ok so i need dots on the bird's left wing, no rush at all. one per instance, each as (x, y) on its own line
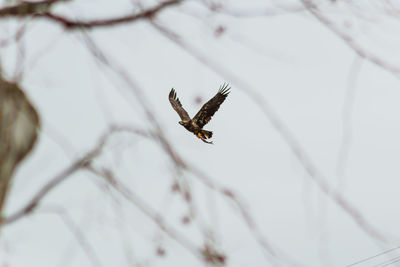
(208, 109)
(176, 104)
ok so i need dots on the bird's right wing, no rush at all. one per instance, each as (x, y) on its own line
(176, 104)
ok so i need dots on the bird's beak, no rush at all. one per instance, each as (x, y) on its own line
(181, 123)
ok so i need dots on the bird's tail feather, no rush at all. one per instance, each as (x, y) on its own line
(206, 134)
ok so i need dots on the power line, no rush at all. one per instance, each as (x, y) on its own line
(394, 260)
(371, 257)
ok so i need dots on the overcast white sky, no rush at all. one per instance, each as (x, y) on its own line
(295, 84)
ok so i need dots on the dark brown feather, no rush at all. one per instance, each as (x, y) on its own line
(209, 108)
(176, 104)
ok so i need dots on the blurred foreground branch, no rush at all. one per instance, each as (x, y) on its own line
(73, 24)
(23, 9)
(19, 123)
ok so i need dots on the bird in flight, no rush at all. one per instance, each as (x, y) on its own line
(202, 117)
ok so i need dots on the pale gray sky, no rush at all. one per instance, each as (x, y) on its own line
(286, 65)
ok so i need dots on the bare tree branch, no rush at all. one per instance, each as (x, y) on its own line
(23, 9)
(395, 70)
(74, 24)
(71, 169)
(16, 37)
(146, 209)
(76, 231)
(75, 166)
(271, 253)
(207, 253)
(252, 13)
(311, 169)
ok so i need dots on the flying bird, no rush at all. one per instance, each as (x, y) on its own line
(202, 117)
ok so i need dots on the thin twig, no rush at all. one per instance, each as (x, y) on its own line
(146, 209)
(349, 41)
(347, 112)
(76, 231)
(71, 169)
(44, 191)
(311, 169)
(178, 161)
(254, 12)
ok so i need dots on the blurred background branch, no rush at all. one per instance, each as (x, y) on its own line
(104, 93)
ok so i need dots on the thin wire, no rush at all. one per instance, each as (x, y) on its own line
(394, 260)
(371, 257)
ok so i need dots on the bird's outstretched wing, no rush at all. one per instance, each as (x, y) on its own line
(176, 104)
(208, 109)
